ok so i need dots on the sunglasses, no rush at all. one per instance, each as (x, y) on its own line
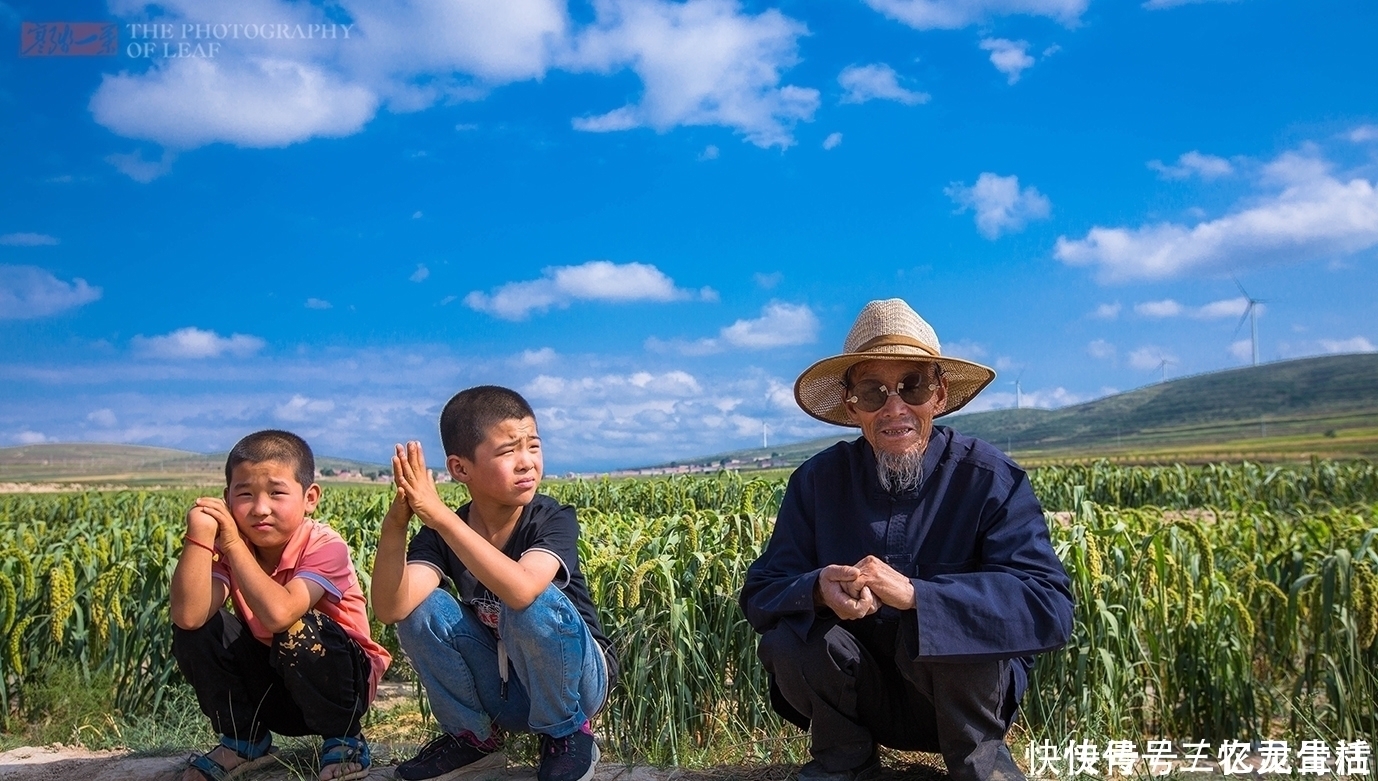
(913, 389)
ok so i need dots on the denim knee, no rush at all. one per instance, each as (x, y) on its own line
(435, 621)
(550, 615)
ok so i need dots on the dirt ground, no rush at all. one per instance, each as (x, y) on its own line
(61, 763)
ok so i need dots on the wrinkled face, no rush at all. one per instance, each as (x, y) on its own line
(267, 502)
(507, 465)
(896, 428)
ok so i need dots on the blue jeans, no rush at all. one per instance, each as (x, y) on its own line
(558, 675)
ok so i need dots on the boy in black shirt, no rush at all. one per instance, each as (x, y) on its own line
(523, 650)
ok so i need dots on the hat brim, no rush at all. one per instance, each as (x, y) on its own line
(818, 391)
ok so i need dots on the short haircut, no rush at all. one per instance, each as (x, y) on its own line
(465, 421)
(273, 445)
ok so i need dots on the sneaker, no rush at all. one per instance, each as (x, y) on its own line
(570, 758)
(452, 756)
(868, 770)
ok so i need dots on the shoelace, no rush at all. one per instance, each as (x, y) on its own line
(435, 745)
(558, 746)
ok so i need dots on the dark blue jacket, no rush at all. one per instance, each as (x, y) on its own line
(972, 538)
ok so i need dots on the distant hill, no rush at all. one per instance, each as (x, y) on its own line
(131, 464)
(1327, 407)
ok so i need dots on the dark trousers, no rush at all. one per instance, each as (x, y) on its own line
(313, 679)
(855, 687)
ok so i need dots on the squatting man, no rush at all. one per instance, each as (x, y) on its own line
(910, 578)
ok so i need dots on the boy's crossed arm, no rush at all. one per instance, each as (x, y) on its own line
(196, 595)
(516, 583)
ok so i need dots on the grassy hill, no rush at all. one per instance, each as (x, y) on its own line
(1290, 410)
(129, 465)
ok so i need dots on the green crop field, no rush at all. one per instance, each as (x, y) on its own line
(1231, 601)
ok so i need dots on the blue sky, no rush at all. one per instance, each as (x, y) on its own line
(649, 216)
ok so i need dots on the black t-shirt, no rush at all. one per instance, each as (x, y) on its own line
(544, 525)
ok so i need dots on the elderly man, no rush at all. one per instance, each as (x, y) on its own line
(910, 578)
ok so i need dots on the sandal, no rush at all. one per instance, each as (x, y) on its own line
(344, 751)
(255, 755)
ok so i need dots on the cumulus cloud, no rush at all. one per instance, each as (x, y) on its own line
(1303, 212)
(701, 62)
(27, 292)
(1009, 57)
(1044, 398)
(1193, 163)
(194, 343)
(541, 357)
(301, 408)
(1363, 133)
(999, 203)
(596, 280)
(1164, 308)
(27, 437)
(1101, 350)
(1355, 344)
(1242, 349)
(965, 348)
(420, 274)
(1107, 311)
(876, 82)
(709, 152)
(1151, 358)
(955, 14)
(833, 141)
(317, 303)
(1158, 5)
(780, 325)
(134, 166)
(103, 417)
(27, 240)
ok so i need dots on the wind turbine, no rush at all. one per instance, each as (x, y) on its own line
(1162, 369)
(1019, 391)
(1250, 314)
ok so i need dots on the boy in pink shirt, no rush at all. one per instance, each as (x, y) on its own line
(295, 657)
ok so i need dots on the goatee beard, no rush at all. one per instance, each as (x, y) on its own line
(900, 472)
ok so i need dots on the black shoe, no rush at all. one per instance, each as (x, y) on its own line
(813, 771)
(571, 758)
(452, 756)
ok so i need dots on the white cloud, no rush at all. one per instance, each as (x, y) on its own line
(1045, 398)
(31, 438)
(27, 292)
(596, 280)
(1150, 358)
(27, 240)
(317, 303)
(1158, 5)
(767, 281)
(1363, 133)
(1107, 311)
(1164, 308)
(1009, 57)
(1194, 163)
(1313, 216)
(965, 348)
(702, 62)
(779, 325)
(876, 82)
(955, 14)
(693, 348)
(1101, 350)
(999, 204)
(134, 166)
(833, 141)
(1225, 308)
(541, 357)
(192, 342)
(416, 215)
(104, 417)
(1242, 349)
(709, 152)
(301, 408)
(263, 101)
(1356, 344)
(420, 274)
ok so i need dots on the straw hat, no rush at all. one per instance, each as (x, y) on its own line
(889, 331)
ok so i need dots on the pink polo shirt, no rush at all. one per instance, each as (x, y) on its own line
(319, 554)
